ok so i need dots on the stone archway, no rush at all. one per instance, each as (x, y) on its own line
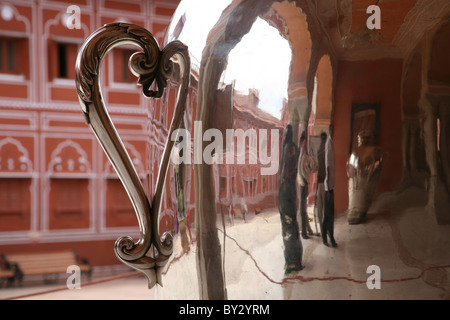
(320, 116)
(322, 104)
(297, 33)
(415, 168)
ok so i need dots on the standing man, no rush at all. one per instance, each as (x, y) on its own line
(306, 166)
(287, 204)
(330, 180)
(321, 173)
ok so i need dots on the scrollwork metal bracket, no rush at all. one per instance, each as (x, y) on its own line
(153, 67)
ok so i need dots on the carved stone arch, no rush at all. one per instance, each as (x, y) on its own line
(9, 13)
(14, 157)
(58, 21)
(67, 201)
(69, 157)
(297, 32)
(322, 100)
(415, 168)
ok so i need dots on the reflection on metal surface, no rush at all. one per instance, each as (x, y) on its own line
(249, 66)
(179, 172)
(262, 48)
(287, 196)
(363, 170)
(153, 66)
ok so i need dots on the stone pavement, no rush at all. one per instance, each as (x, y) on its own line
(399, 253)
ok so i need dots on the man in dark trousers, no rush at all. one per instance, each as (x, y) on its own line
(303, 175)
(321, 173)
(330, 180)
(287, 204)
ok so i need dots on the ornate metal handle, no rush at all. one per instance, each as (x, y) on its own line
(151, 66)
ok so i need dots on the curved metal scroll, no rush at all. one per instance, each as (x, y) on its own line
(152, 66)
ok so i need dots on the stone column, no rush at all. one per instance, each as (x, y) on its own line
(438, 195)
(233, 24)
(413, 150)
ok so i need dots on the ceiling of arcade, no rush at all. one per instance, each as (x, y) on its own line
(403, 23)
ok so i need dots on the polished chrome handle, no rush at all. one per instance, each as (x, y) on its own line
(153, 67)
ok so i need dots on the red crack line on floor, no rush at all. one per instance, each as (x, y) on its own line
(407, 258)
(300, 278)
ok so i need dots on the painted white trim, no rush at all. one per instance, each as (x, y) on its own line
(63, 83)
(19, 17)
(66, 39)
(56, 105)
(31, 117)
(114, 12)
(77, 119)
(8, 78)
(66, 235)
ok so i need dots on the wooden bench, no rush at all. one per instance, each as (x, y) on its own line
(7, 272)
(8, 275)
(45, 263)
